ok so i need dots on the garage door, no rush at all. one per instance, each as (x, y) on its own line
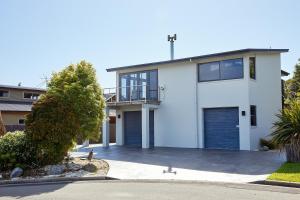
(133, 128)
(221, 128)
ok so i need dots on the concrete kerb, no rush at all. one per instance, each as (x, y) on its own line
(278, 183)
(53, 180)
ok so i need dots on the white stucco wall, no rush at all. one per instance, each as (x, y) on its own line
(175, 120)
(265, 93)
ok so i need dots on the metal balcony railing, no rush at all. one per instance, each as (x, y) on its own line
(132, 93)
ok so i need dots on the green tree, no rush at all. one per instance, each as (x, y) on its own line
(71, 108)
(286, 132)
(292, 86)
(2, 127)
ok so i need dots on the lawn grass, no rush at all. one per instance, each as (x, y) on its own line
(289, 172)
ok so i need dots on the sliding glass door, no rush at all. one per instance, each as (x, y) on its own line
(138, 86)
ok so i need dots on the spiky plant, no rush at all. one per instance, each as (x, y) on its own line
(286, 132)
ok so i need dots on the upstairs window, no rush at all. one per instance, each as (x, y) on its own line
(21, 121)
(221, 70)
(141, 85)
(3, 93)
(253, 115)
(30, 95)
(252, 67)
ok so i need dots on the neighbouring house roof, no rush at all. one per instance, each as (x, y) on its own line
(22, 88)
(18, 106)
(227, 53)
(284, 73)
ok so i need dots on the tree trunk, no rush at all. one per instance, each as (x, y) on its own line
(2, 127)
(292, 152)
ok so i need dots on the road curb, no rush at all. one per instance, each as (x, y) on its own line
(278, 183)
(53, 180)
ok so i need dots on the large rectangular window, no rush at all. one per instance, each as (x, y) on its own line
(252, 66)
(209, 71)
(221, 70)
(253, 115)
(139, 86)
(30, 95)
(3, 93)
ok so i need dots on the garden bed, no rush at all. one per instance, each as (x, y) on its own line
(76, 167)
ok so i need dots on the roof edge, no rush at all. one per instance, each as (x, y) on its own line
(248, 50)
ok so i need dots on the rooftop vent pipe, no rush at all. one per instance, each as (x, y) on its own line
(171, 39)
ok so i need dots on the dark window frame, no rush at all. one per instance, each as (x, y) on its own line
(23, 121)
(33, 95)
(253, 115)
(4, 91)
(220, 79)
(252, 76)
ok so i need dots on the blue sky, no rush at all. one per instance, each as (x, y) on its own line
(39, 37)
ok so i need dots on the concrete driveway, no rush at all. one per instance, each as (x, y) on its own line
(186, 164)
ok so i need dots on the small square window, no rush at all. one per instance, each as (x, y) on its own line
(252, 67)
(21, 121)
(253, 119)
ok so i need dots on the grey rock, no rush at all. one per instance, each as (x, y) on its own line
(90, 167)
(55, 169)
(264, 148)
(74, 167)
(16, 172)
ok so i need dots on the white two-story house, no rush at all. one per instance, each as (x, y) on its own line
(224, 100)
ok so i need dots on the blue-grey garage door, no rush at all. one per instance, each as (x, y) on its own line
(221, 128)
(133, 128)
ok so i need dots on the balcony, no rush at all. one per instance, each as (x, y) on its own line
(132, 95)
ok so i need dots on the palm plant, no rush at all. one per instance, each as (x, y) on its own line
(286, 132)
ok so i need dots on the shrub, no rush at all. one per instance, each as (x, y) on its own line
(286, 132)
(16, 149)
(72, 108)
(2, 127)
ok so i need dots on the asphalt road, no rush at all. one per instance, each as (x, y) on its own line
(147, 190)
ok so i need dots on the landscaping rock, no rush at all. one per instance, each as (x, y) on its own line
(265, 148)
(74, 167)
(5, 175)
(16, 172)
(55, 169)
(90, 167)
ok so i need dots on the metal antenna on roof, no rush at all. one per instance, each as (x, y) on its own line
(171, 39)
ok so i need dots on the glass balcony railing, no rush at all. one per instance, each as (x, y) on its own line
(132, 93)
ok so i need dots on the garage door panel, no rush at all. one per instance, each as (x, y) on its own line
(133, 128)
(220, 126)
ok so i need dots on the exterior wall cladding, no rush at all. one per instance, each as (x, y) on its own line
(179, 120)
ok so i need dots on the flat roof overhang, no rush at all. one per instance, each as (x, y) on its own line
(189, 59)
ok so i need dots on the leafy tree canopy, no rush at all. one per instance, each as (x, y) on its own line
(292, 86)
(71, 108)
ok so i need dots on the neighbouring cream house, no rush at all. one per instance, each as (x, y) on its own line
(16, 103)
